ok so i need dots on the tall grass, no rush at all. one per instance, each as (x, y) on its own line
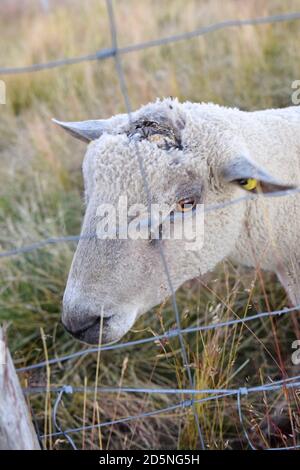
(40, 196)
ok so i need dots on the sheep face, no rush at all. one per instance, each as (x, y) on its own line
(186, 156)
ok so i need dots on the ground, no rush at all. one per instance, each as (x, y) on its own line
(41, 196)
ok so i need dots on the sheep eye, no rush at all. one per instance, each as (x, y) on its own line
(249, 183)
(186, 205)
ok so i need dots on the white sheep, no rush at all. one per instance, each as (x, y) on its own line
(199, 153)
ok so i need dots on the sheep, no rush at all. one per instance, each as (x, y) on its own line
(200, 153)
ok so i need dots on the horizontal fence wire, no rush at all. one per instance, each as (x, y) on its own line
(212, 394)
(290, 382)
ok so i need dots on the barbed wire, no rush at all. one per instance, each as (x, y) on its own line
(116, 52)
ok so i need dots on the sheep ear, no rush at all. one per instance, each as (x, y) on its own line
(243, 168)
(83, 130)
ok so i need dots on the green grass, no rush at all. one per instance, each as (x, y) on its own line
(41, 196)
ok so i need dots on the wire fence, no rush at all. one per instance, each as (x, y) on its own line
(191, 393)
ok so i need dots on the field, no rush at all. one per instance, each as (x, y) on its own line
(41, 196)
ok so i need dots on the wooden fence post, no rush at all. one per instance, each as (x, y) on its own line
(16, 429)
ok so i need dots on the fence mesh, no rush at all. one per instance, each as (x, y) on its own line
(190, 401)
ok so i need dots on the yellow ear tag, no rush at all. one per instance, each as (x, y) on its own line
(249, 184)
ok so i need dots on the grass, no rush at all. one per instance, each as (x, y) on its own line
(41, 196)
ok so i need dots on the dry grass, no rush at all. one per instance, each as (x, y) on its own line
(40, 196)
